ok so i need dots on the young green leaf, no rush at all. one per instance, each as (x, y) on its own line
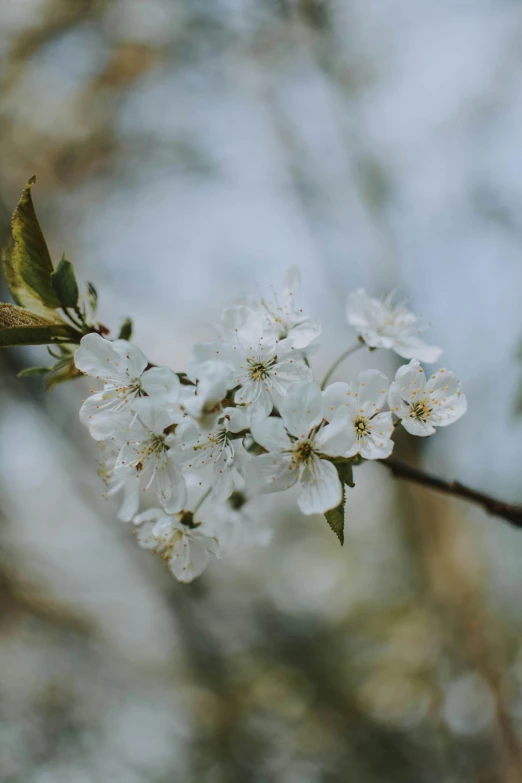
(62, 374)
(65, 284)
(92, 296)
(22, 327)
(335, 518)
(125, 330)
(345, 471)
(27, 263)
(30, 371)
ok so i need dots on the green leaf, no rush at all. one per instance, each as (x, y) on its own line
(64, 282)
(125, 330)
(345, 471)
(27, 263)
(92, 295)
(335, 518)
(62, 374)
(30, 371)
(22, 327)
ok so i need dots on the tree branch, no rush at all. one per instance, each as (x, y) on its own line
(508, 512)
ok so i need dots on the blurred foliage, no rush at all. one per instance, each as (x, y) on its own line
(383, 661)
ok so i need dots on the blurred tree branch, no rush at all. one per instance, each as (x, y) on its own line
(508, 512)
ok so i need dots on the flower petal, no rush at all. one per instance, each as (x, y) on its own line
(369, 389)
(271, 434)
(417, 427)
(415, 348)
(335, 395)
(161, 384)
(135, 360)
(278, 471)
(99, 358)
(338, 438)
(302, 408)
(131, 499)
(189, 559)
(321, 487)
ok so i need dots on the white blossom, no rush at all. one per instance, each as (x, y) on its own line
(298, 444)
(124, 482)
(212, 379)
(261, 371)
(216, 448)
(283, 320)
(122, 367)
(183, 545)
(146, 448)
(424, 404)
(364, 397)
(381, 324)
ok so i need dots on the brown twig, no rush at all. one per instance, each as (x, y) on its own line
(508, 512)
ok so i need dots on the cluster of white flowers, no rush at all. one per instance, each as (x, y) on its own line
(248, 417)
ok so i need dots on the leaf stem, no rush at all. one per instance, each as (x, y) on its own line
(338, 361)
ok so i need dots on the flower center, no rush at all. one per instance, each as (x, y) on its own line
(167, 542)
(219, 438)
(259, 370)
(135, 387)
(362, 427)
(303, 450)
(421, 410)
(156, 445)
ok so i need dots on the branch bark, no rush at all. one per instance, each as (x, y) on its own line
(510, 513)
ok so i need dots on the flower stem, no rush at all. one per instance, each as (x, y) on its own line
(511, 513)
(202, 499)
(338, 361)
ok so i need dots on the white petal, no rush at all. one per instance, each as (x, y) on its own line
(370, 449)
(171, 486)
(271, 434)
(145, 536)
(150, 515)
(243, 326)
(396, 402)
(369, 389)
(302, 408)
(261, 408)
(286, 374)
(358, 306)
(278, 471)
(413, 347)
(204, 352)
(450, 412)
(304, 333)
(442, 384)
(321, 487)
(335, 395)
(291, 285)
(98, 357)
(222, 482)
(102, 423)
(161, 383)
(234, 419)
(338, 438)
(417, 427)
(188, 560)
(411, 380)
(134, 359)
(153, 416)
(378, 444)
(131, 499)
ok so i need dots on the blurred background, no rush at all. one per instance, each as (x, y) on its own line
(186, 151)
